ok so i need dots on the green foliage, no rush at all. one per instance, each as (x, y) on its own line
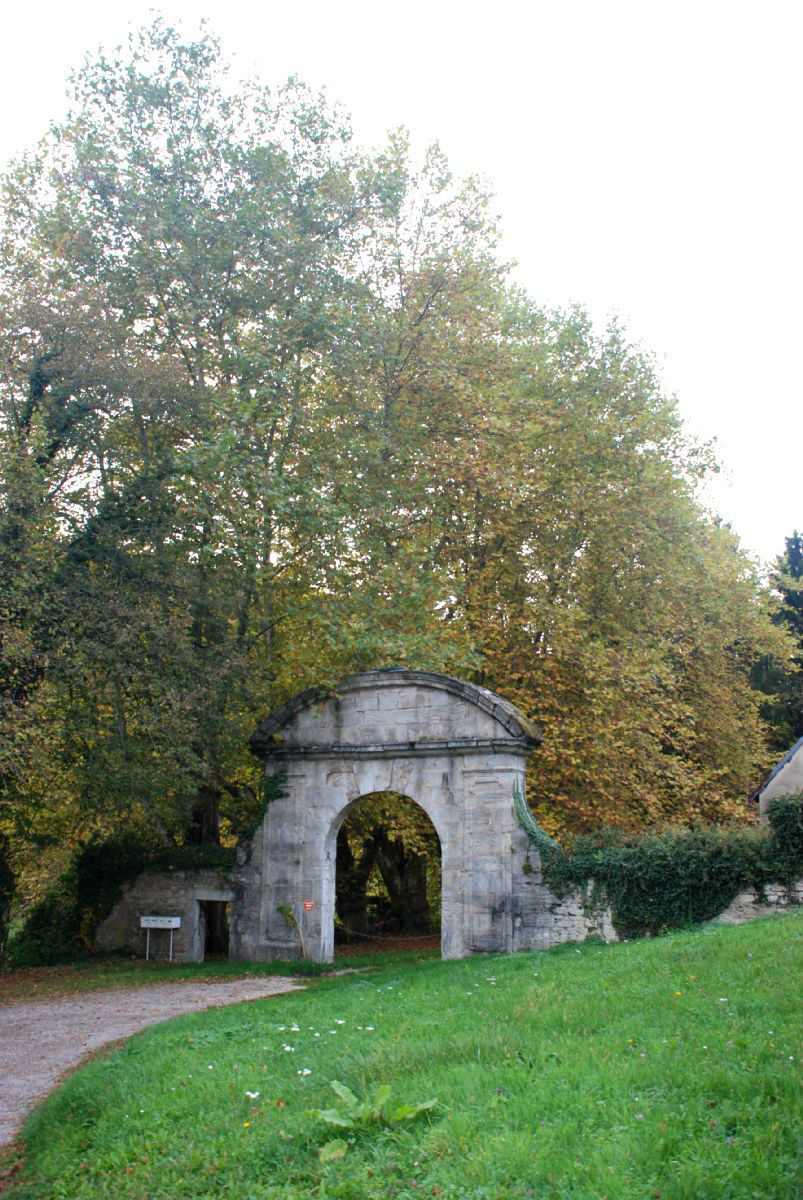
(785, 815)
(783, 711)
(372, 1111)
(50, 933)
(667, 880)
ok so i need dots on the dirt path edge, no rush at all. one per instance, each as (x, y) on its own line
(42, 1040)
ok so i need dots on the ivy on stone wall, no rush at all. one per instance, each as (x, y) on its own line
(666, 880)
(273, 788)
(785, 814)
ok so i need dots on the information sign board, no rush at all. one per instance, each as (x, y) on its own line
(150, 923)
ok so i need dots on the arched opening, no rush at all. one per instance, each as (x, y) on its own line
(388, 875)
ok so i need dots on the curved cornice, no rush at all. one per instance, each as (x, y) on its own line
(520, 729)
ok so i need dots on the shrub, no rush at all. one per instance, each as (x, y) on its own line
(785, 815)
(50, 932)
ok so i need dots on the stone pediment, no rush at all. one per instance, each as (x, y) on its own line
(390, 711)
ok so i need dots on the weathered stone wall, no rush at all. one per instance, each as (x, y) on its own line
(389, 715)
(542, 919)
(750, 904)
(292, 856)
(163, 894)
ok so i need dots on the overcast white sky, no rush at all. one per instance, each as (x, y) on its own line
(646, 156)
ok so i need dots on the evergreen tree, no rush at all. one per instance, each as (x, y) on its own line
(784, 712)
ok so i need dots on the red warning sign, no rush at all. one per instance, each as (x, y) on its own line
(308, 906)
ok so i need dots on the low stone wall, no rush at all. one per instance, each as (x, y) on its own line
(163, 894)
(751, 904)
(542, 920)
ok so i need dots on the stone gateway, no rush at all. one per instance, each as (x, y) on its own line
(455, 749)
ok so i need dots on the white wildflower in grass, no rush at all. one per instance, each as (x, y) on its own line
(369, 1028)
(316, 1035)
(295, 1029)
(252, 1095)
(289, 1049)
(210, 1067)
(339, 1022)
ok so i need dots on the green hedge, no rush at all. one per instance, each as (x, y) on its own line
(667, 880)
(785, 815)
(61, 927)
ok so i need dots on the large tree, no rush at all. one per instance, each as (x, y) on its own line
(784, 711)
(270, 412)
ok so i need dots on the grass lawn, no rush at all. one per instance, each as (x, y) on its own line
(666, 1068)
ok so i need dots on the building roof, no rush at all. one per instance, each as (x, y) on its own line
(776, 770)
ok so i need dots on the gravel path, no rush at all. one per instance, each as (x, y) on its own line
(39, 1041)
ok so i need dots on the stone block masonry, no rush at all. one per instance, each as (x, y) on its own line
(165, 894)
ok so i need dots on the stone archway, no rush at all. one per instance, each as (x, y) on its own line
(391, 886)
(457, 750)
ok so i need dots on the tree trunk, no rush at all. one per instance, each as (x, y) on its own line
(6, 891)
(204, 826)
(351, 901)
(405, 877)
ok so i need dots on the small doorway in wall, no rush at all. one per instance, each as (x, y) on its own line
(215, 925)
(388, 882)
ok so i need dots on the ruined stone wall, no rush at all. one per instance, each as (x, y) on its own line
(750, 904)
(542, 919)
(163, 894)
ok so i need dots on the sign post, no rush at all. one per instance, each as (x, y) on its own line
(149, 923)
